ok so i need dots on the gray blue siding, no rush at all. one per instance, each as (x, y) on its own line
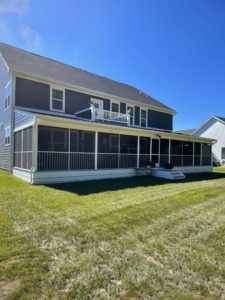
(21, 118)
(5, 118)
(160, 120)
(36, 95)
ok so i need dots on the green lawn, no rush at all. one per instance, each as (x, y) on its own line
(136, 238)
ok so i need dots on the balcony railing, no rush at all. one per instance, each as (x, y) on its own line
(106, 115)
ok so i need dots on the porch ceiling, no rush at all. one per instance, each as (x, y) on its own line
(61, 122)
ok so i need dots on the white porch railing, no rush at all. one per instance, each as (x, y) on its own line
(58, 161)
(106, 115)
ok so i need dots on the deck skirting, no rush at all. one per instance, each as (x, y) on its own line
(70, 176)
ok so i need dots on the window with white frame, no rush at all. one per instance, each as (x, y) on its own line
(115, 106)
(7, 135)
(143, 118)
(57, 100)
(222, 153)
(7, 97)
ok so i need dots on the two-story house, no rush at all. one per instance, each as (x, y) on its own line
(59, 123)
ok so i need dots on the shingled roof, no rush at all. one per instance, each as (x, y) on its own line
(24, 62)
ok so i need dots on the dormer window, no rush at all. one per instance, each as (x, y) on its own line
(57, 101)
(7, 97)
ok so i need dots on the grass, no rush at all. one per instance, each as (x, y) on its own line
(136, 238)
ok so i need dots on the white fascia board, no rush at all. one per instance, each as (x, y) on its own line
(44, 119)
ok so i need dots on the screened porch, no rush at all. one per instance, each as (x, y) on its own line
(60, 149)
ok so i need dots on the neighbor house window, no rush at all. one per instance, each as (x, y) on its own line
(130, 111)
(57, 100)
(7, 95)
(115, 107)
(7, 135)
(143, 118)
(222, 153)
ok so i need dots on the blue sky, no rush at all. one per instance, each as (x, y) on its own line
(173, 50)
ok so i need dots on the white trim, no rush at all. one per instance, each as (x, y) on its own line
(4, 61)
(115, 102)
(55, 87)
(10, 95)
(72, 123)
(27, 125)
(92, 92)
(146, 120)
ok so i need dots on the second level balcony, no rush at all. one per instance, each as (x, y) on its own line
(99, 114)
(109, 116)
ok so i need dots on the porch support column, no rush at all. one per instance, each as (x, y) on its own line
(169, 151)
(150, 154)
(138, 151)
(96, 150)
(35, 148)
(159, 151)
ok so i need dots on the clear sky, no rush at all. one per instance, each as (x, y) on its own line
(173, 50)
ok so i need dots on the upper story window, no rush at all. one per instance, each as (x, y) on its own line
(115, 106)
(7, 135)
(57, 101)
(7, 97)
(143, 118)
(130, 111)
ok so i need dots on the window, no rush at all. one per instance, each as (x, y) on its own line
(143, 117)
(115, 106)
(7, 95)
(57, 100)
(130, 110)
(7, 135)
(222, 153)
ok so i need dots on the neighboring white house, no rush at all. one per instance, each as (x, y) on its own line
(213, 128)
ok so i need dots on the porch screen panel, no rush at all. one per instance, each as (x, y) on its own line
(53, 148)
(108, 149)
(128, 151)
(197, 154)
(27, 149)
(23, 149)
(18, 149)
(144, 151)
(187, 153)
(206, 154)
(155, 150)
(176, 152)
(164, 152)
(82, 150)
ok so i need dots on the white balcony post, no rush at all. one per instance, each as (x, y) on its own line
(138, 151)
(92, 112)
(35, 148)
(96, 150)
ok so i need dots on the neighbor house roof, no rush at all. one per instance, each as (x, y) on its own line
(24, 62)
(221, 119)
(186, 131)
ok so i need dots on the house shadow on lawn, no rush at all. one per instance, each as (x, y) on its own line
(98, 186)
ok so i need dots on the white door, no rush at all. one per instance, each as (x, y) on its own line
(98, 108)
